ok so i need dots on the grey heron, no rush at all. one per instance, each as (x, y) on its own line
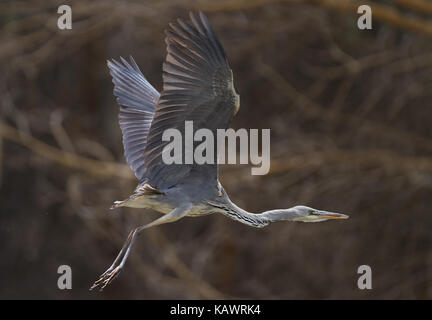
(197, 86)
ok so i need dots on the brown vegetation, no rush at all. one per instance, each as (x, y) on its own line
(350, 118)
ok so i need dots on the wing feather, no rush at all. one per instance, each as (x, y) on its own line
(198, 87)
(137, 99)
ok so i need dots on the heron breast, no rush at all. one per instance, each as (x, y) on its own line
(198, 210)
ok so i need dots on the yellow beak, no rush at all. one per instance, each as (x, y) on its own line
(332, 215)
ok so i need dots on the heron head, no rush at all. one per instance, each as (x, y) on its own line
(307, 214)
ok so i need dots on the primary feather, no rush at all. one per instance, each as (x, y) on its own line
(138, 100)
(198, 87)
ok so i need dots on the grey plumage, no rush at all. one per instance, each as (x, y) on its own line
(137, 99)
(197, 86)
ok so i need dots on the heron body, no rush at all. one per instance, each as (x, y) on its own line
(168, 200)
(198, 86)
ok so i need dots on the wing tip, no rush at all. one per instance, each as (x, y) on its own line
(196, 38)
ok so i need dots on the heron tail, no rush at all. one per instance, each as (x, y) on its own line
(117, 204)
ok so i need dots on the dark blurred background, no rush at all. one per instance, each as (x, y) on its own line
(350, 117)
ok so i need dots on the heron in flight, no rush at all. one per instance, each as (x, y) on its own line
(197, 86)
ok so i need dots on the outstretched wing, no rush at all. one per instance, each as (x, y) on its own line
(197, 86)
(137, 99)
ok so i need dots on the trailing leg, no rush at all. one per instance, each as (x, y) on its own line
(113, 271)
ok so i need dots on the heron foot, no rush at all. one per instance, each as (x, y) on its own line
(113, 271)
(106, 278)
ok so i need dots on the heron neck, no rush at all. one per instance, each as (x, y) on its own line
(257, 220)
(281, 214)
